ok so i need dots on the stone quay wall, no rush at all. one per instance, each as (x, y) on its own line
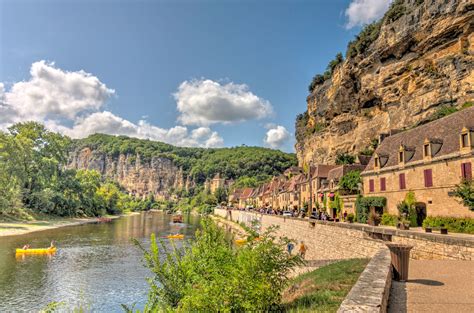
(335, 240)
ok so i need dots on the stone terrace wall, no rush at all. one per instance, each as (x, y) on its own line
(333, 241)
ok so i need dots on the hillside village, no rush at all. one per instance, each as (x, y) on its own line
(415, 171)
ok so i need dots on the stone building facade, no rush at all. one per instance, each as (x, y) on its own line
(428, 160)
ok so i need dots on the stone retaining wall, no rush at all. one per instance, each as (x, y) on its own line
(333, 241)
(372, 289)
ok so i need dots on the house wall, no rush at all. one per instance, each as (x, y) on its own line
(446, 174)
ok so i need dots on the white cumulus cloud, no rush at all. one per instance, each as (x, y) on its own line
(276, 137)
(52, 92)
(362, 12)
(205, 102)
(60, 98)
(108, 123)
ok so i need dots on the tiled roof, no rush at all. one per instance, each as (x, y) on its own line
(341, 170)
(446, 129)
(321, 170)
(246, 193)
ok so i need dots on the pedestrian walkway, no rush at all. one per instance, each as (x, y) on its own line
(435, 286)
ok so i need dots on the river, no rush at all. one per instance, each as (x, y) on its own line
(96, 266)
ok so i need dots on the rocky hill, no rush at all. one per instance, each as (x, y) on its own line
(147, 167)
(396, 73)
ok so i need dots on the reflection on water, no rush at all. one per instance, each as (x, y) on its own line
(96, 265)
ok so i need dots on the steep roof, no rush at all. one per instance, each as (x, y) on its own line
(322, 170)
(341, 170)
(446, 129)
(246, 193)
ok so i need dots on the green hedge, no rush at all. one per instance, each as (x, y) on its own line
(453, 224)
(364, 203)
(389, 219)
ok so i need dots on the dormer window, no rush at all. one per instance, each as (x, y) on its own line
(400, 157)
(426, 150)
(376, 162)
(466, 138)
(431, 147)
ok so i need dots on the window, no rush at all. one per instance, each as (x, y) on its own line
(400, 156)
(428, 174)
(466, 171)
(383, 184)
(371, 185)
(376, 162)
(465, 140)
(426, 150)
(402, 181)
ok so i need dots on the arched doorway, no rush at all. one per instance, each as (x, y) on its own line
(420, 213)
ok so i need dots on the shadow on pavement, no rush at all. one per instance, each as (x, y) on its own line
(427, 282)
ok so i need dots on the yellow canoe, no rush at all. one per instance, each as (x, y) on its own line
(36, 251)
(175, 236)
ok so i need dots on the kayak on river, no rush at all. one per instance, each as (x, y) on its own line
(177, 236)
(36, 251)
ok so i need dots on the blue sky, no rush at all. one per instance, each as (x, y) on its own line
(193, 73)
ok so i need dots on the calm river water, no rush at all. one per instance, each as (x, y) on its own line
(96, 265)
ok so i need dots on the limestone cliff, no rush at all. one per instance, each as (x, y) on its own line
(158, 176)
(419, 61)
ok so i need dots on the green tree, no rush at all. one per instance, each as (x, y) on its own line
(212, 275)
(465, 192)
(221, 195)
(350, 182)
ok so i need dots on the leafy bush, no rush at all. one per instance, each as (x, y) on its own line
(465, 191)
(389, 219)
(212, 275)
(397, 9)
(364, 39)
(350, 181)
(453, 224)
(344, 158)
(319, 79)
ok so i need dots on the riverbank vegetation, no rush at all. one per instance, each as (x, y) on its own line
(34, 179)
(323, 289)
(211, 274)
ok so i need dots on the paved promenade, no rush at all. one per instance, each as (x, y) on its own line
(435, 286)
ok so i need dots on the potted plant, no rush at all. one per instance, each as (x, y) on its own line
(350, 217)
(443, 230)
(428, 229)
(374, 218)
(404, 223)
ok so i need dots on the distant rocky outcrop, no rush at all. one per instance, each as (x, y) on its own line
(158, 176)
(422, 58)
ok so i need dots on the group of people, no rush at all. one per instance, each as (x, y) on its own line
(27, 246)
(302, 248)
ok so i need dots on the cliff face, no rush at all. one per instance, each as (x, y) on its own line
(159, 176)
(419, 62)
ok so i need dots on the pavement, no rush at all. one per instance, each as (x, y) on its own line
(435, 286)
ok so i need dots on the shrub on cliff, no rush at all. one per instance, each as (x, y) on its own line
(212, 275)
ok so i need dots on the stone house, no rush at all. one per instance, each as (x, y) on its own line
(428, 160)
(217, 182)
(244, 199)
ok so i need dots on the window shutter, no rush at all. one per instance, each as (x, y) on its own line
(402, 181)
(428, 178)
(466, 170)
(382, 184)
(371, 185)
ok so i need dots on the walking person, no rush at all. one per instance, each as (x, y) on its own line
(289, 247)
(302, 249)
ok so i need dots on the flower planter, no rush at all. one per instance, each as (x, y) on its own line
(444, 231)
(428, 230)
